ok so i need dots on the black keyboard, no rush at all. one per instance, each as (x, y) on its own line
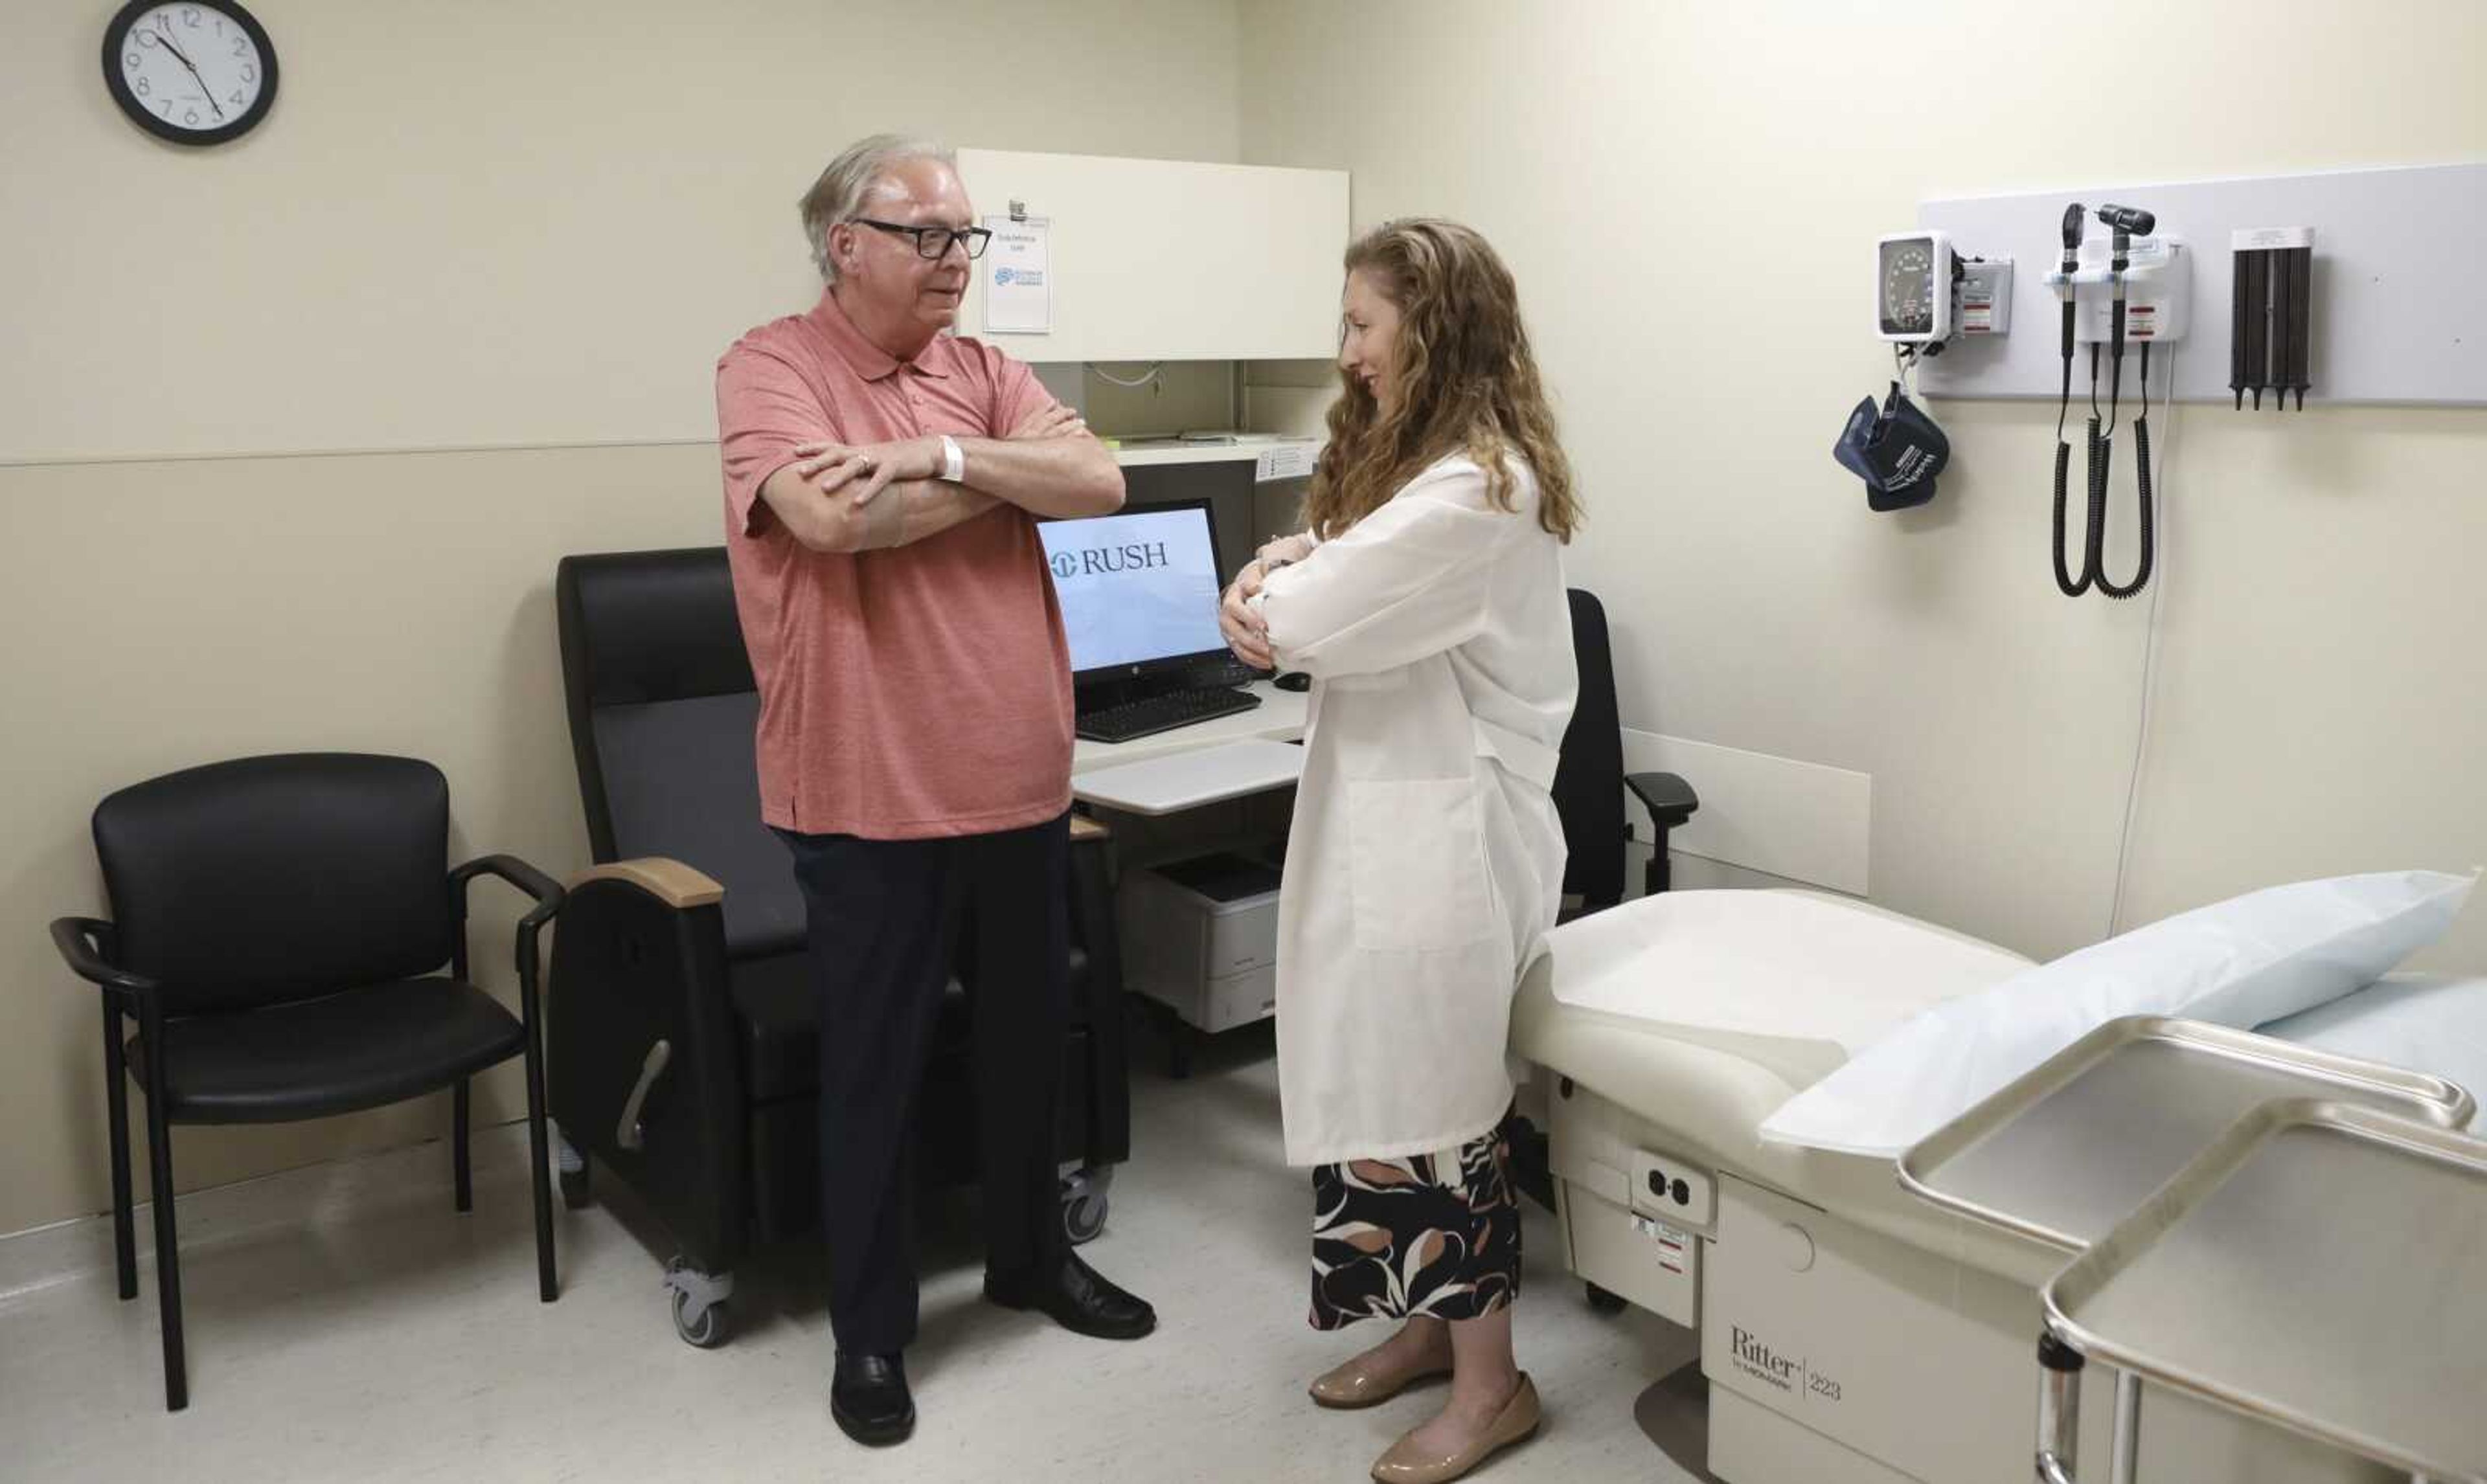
(1225, 670)
(1163, 712)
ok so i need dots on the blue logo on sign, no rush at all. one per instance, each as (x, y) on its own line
(1001, 275)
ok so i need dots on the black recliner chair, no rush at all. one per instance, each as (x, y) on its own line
(683, 1047)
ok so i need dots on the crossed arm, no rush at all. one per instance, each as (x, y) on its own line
(1412, 579)
(1246, 634)
(851, 498)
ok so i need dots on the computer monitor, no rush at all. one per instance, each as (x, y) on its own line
(1138, 590)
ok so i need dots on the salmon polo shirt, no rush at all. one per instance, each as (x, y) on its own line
(909, 693)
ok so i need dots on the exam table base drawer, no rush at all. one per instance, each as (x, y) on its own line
(1651, 1263)
(1912, 1360)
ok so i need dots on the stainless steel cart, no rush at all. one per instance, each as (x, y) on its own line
(2067, 1151)
(2320, 1267)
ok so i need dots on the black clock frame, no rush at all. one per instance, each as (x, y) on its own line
(115, 82)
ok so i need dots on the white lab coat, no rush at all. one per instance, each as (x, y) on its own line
(1426, 859)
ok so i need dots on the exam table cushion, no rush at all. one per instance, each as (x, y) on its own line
(2434, 1023)
(2244, 962)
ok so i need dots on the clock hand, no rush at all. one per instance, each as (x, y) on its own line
(166, 43)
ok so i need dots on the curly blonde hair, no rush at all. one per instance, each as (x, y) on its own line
(1465, 381)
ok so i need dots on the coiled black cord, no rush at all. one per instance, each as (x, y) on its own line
(2063, 473)
(2141, 487)
(2099, 463)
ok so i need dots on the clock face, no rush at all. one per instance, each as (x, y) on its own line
(1908, 287)
(193, 72)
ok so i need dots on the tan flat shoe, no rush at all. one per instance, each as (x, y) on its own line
(1355, 1384)
(1405, 1464)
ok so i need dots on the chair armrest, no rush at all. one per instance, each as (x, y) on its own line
(549, 896)
(1670, 799)
(546, 891)
(76, 939)
(669, 881)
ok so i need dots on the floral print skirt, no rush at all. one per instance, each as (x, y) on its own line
(1437, 1235)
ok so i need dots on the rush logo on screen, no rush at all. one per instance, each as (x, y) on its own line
(1136, 556)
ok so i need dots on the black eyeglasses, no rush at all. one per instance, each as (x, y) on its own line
(936, 241)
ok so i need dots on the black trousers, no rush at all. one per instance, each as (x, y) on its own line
(886, 919)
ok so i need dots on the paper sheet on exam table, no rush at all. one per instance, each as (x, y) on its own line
(1787, 964)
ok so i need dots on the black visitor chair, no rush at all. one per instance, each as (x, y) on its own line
(279, 927)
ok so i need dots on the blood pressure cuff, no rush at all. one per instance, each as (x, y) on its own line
(1895, 449)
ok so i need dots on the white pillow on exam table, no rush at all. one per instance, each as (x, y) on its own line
(2241, 962)
(2429, 1023)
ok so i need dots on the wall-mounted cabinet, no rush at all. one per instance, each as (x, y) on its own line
(1167, 260)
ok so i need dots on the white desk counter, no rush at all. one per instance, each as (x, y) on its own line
(1173, 782)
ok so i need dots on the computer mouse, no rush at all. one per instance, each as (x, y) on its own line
(1292, 680)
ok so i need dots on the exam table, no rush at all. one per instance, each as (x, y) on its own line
(1849, 1329)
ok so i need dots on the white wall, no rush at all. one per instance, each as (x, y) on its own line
(465, 224)
(1687, 193)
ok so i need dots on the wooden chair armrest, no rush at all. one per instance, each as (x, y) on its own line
(668, 880)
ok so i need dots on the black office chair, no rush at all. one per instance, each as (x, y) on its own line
(685, 1040)
(1589, 783)
(1589, 780)
(278, 928)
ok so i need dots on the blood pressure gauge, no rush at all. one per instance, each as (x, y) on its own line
(1914, 273)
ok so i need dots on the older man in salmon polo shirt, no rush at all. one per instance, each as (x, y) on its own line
(883, 481)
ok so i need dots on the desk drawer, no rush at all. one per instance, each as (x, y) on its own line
(1242, 940)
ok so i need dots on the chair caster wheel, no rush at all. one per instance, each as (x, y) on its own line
(710, 1328)
(1084, 1205)
(701, 1315)
(1083, 1218)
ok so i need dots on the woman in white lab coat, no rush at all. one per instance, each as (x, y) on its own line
(1425, 599)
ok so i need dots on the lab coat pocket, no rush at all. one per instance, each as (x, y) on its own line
(1416, 865)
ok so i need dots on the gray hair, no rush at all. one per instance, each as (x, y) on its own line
(838, 195)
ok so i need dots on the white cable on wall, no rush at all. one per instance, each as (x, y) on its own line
(1155, 370)
(2149, 655)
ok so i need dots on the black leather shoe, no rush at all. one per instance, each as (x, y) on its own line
(868, 1397)
(1077, 1297)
